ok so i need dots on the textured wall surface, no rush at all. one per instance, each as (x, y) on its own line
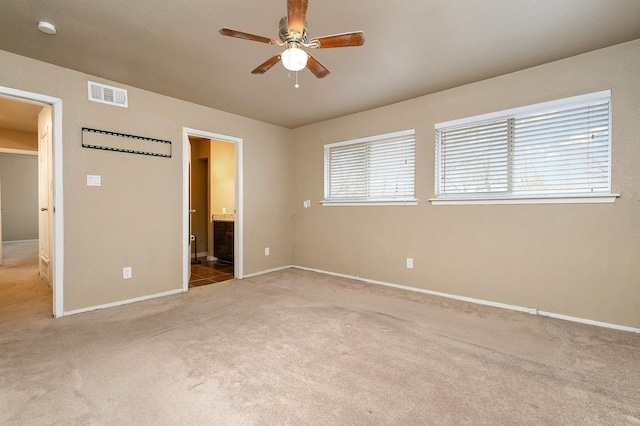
(572, 259)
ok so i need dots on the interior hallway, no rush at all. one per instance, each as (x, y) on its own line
(23, 295)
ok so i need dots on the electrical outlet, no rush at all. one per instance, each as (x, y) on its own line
(126, 273)
(409, 263)
(266, 251)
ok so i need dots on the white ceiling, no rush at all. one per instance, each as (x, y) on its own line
(413, 47)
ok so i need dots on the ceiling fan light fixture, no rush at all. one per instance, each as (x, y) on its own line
(293, 34)
(294, 59)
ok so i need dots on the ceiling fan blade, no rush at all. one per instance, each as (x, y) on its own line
(316, 67)
(246, 36)
(296, 15)
(266, 65)
(338, 40)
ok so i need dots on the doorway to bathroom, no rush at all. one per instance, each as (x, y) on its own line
(213, 208)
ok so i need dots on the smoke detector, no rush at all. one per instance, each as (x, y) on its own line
(46, 27)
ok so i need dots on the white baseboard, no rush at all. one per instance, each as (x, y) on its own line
(123, 302)
(280, 268)
(20, 241)
(588, 321)
(532, 311)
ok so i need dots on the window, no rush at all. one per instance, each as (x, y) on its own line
(557, 151)
(374, 170)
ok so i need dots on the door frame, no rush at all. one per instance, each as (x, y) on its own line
(239, 207)
(57, 255)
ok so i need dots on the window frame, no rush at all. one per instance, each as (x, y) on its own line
(511, 198)
(373, 201)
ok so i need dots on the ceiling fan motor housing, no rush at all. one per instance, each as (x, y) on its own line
(285, 37)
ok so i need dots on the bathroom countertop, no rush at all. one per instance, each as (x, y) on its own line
(228, 217)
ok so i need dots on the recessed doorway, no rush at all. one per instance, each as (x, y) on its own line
(212, 211)
(212, 177)
(30, 138)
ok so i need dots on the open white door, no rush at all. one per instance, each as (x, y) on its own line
(191, 212)
(186, 209)
(45, 192)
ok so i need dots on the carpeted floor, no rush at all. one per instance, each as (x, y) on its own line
(297, 347)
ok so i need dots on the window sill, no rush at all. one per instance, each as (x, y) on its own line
(561, 199)
(343, 203)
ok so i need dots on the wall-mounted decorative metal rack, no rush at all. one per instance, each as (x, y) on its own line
(121, 142)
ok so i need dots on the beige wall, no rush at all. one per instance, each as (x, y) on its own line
(579, 259)
(19, 177)
(222, 197)
(213, 186)
(14, 139)
(135, 217)
(222, 177)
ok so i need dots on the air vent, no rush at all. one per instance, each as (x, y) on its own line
(108, 94)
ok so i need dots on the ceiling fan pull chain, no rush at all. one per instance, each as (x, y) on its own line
(296, 85)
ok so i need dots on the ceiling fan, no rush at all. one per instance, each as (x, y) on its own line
(293, 35)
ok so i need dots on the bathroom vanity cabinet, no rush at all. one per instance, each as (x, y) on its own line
(223, 239)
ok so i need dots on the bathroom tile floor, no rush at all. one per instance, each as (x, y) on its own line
(209, 272)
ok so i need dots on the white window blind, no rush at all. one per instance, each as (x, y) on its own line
(378, 169)
(561, 148)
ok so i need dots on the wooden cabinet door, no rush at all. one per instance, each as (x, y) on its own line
(223, 240)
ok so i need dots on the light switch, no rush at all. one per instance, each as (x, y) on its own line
(94, 180)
